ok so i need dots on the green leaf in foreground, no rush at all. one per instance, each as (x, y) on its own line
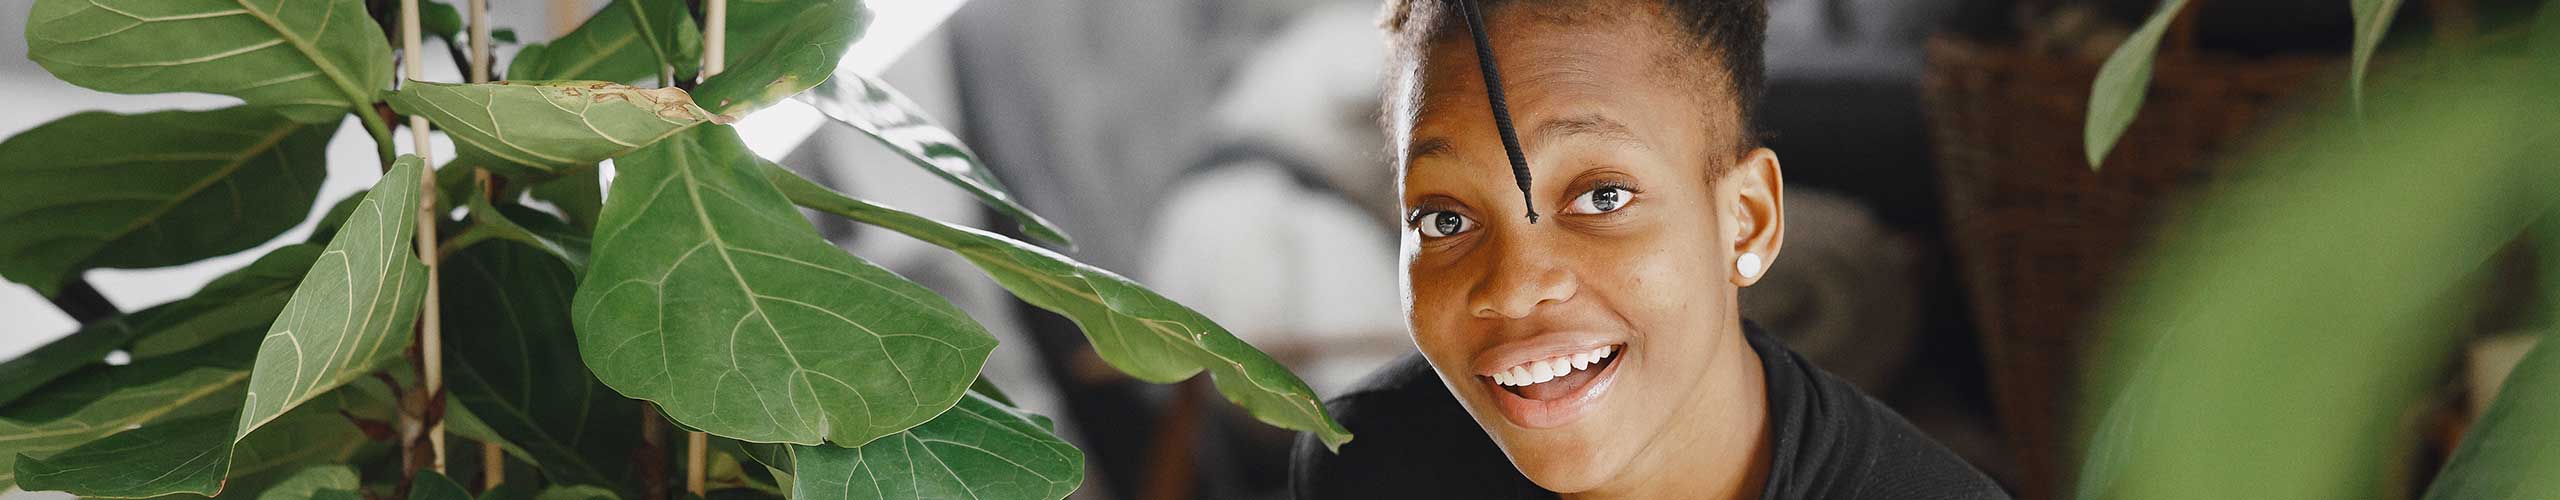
(778, 48)
(625, 42)
(1136, 330)
(314, 60)
(352, 310)
(549, 127)
(710, 295)
(513, 361)
(869, 105)
(2122, 81)
(979, 449)
(101, 189)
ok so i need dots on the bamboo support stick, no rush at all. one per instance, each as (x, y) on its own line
(715, 42)
(430, 323)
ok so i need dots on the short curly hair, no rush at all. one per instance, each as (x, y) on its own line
(1728, 33)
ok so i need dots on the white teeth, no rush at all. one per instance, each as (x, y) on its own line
(1541, 371)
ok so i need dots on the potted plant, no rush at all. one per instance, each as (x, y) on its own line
(566, 330)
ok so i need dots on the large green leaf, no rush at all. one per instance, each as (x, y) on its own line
(156, 189)
(196, 454)
(710, 295)
(778, 48)
(103, 400)
(2122, 82)
(2272, 349)
(352, 310)
(549, 127)
(1133, 328)
(980, 449)
(2373, 20)
(513, 360)
(625, 42)
(869, 105)
(314, 60)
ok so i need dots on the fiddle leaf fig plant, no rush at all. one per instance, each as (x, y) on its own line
(573, 339)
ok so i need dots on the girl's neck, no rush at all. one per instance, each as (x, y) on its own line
(1720, 446)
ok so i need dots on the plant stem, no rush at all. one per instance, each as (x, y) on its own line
(83, 302)
(715, 42)
(381, 132)
(430, 320)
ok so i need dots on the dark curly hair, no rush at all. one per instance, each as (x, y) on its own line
(1728, 33)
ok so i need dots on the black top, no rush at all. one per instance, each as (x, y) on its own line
(1827, 441)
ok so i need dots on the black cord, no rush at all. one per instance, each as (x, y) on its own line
(1501, 111)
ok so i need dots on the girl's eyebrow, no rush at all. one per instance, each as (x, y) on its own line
(1552, 130)
(1595, 126)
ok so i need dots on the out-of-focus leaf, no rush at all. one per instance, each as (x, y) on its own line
(103, 400)
(579, 195)
(625, 42)
(195, 454)
(352, 310)
(2508, 453)
(2373, 20)
(576, 492)
(979, 449)
(309, 481)
(83, 348)
(432, 485)
(514, 361)
(503, 35)
(549, 127)
(439, 19)
(460, 421)
(2122, 82)
(536, 229)
(2270, 350)
(313, 60)
(710, 295)
(244, 301)
(336, 216)
(869, 105)
(1134, 329)
(778, 48)
(101, 189)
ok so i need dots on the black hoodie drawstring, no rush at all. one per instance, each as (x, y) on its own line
(1501, 111)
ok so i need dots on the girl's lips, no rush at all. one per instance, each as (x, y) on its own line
(1558, 411)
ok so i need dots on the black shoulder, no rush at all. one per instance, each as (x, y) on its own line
(1829, 440)
(1410, 439)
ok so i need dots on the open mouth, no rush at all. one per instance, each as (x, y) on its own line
(1557, 377)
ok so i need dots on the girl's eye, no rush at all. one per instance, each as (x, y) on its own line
(1443, 224)
(1601, 200)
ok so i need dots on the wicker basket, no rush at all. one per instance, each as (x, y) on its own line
(2040, 236)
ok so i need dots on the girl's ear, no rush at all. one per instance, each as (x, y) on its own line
(1756, 216)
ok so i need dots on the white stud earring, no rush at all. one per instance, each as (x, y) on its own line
(1748, 265)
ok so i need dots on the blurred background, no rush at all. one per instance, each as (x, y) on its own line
(1951, 249)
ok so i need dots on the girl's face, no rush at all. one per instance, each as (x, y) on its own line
(1581, 340)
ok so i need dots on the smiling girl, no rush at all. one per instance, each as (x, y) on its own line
(1589, 332)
